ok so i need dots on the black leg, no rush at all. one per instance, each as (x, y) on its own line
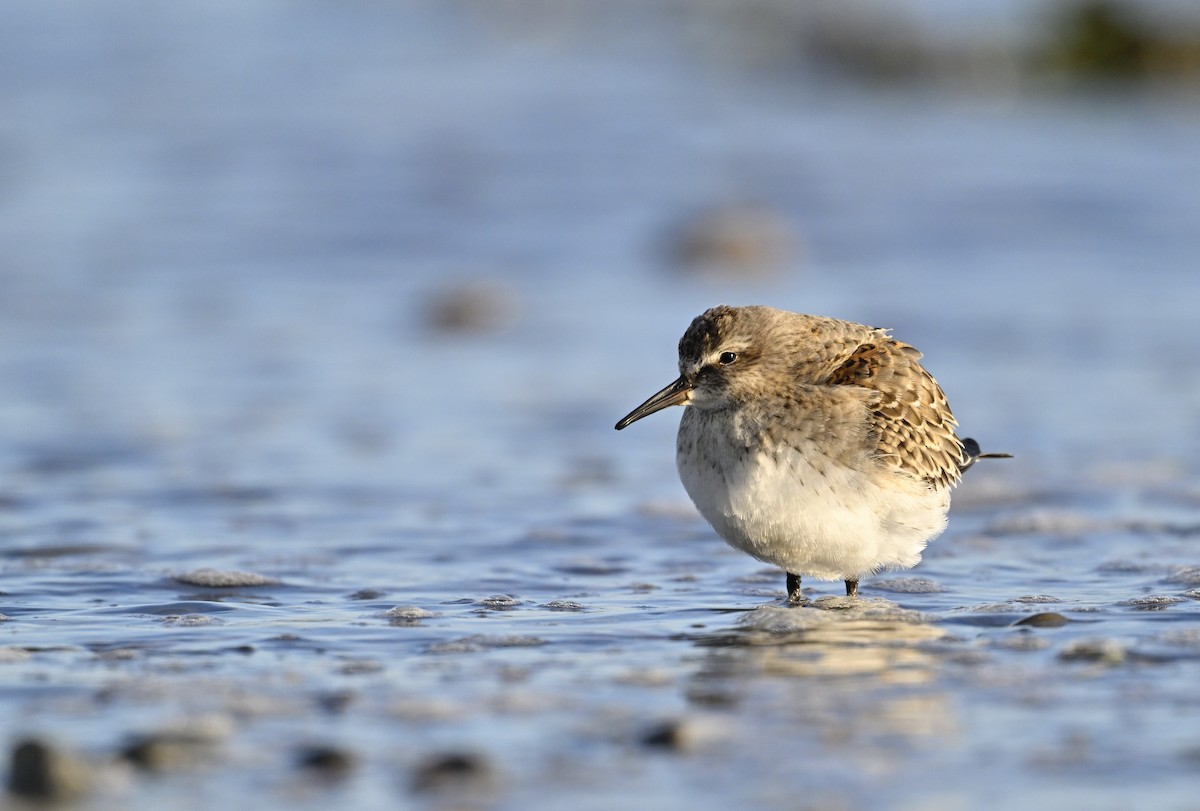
(851, 588)
(793, 588)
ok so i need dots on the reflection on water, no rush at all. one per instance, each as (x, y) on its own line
(878, 639)
(839, 666)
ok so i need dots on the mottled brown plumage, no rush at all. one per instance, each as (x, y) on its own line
(820, 445)
(911, 420)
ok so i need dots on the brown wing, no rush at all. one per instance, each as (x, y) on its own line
(911, 418)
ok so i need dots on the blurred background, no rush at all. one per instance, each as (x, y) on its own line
(344, 298)
(329, 242)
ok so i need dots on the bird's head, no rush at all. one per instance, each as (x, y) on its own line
(724, 359)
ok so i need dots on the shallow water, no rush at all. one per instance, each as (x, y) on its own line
(224, 235)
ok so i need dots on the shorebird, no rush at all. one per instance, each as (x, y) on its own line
(817, 445)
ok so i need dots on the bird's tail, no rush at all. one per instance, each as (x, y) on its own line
(971, 454)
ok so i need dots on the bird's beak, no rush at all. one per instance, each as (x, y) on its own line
(678, 393)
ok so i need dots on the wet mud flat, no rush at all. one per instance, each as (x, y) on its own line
(1045, 651)
(314, 324)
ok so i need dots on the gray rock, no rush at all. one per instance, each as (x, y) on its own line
(452, 770)
(1044, 619)
(1098, 650)
(224, 579)
(327, 760)
(473, 307)
(46, 773)
(737, 239)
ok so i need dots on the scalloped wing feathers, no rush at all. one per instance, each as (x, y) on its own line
(910, 420)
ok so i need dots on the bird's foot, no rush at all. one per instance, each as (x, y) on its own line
(795, 596)
(851, 588)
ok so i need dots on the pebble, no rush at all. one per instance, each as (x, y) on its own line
(328, 760)
(563, 605)
(408, 614)
(43, 772)
(499, 602)
(1098, 650)
(158, 754)
(337, 701)
(738, 239)
(472, 307)
(1182, 636)
(452, 770)
(224, 579)
(478, 642)
(1045, 619)
(190, 620)
(1184, 576)
(360, 667)
(175, 748)
(681, 735)
(667, 735)
(1153, 602)
(586, 568)
(1022, 642)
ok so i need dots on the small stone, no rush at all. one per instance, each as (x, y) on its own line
(1100, 651)
(190, 620)
(336, 702)
(157, 754)
(1153, 602)
(407, 614)
(1022, 642)
(563, 605)
(1184, 576)
(452, 770)
(473, 307)
(737, 239)
(43, 772)
(499, 602)
(1045, 619)
(1182, 636)
(680, 735)
(118, 654)
(219, 579)
(668, 735)
(478, 642)
(176, 748)
(360, 667)
(367, 594)
(327, 760)
(586, 568)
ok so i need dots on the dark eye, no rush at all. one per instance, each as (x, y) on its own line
(727, 358)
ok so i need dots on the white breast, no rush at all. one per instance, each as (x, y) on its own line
(805, 512)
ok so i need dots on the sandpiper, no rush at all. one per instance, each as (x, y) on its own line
(818, 445)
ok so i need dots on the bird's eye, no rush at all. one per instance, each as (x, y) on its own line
(727, 358)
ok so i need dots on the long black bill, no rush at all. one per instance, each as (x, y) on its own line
(675, 394)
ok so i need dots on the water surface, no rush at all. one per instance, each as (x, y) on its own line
(224, 235)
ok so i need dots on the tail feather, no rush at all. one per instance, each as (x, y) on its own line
(971, 454)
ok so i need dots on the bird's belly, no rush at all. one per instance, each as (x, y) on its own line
(813, 515)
